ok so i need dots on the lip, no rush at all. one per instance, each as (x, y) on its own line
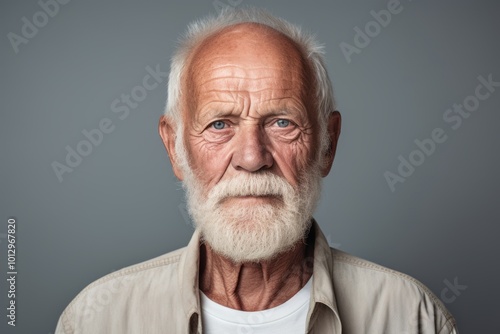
(249, 199)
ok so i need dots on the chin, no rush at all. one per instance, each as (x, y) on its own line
(269, 233)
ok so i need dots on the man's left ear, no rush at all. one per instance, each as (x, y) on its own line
(333, 129)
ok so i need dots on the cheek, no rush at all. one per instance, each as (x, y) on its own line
(212, 159)
(292, 159)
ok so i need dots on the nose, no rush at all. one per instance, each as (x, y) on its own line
(251, 153)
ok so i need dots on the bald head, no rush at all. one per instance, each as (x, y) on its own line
(256, 41)
(246, 49)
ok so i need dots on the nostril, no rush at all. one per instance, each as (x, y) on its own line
(252, 158)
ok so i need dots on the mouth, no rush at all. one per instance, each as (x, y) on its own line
(252, 199)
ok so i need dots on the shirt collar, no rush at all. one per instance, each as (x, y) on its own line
(189, 282)
(323, 289)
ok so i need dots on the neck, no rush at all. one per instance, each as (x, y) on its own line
(255, 286)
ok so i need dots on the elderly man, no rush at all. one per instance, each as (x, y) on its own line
(251, 129)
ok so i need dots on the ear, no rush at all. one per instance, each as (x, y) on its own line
(167, 134)
(333, 129)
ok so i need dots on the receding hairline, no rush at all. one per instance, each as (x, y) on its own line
(270, 36)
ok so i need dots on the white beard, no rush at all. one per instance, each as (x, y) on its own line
(256, 232)
(251, 233)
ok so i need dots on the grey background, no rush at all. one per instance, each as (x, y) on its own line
(122, 204)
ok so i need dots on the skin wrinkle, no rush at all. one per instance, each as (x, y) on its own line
(214, 110)
(250, 76)
(235, 280)
(265, 33)
(199, 127)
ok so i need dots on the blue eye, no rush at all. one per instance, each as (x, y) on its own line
(218, 125)
(283, 123)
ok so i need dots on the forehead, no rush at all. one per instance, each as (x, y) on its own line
(249, 56)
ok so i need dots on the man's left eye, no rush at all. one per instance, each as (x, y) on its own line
(283, 123)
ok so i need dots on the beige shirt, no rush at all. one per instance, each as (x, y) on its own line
(349, 296)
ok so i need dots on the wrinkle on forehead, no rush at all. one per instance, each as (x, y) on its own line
(245, 50)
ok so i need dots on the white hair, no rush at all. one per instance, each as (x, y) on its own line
(200, 30)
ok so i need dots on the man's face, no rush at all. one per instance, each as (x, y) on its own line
(249, 110)
(251, 136)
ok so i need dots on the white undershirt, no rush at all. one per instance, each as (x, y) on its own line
(289, 317)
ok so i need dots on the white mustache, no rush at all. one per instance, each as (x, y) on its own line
(251, 185)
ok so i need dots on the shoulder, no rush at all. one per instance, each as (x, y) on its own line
(143, 272)
(362, 269)
(379, 288)
(122, 292)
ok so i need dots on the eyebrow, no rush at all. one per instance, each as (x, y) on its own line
(212, 114)
(230, 108)
(220, 112)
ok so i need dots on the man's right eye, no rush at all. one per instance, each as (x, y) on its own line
(218, 125)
